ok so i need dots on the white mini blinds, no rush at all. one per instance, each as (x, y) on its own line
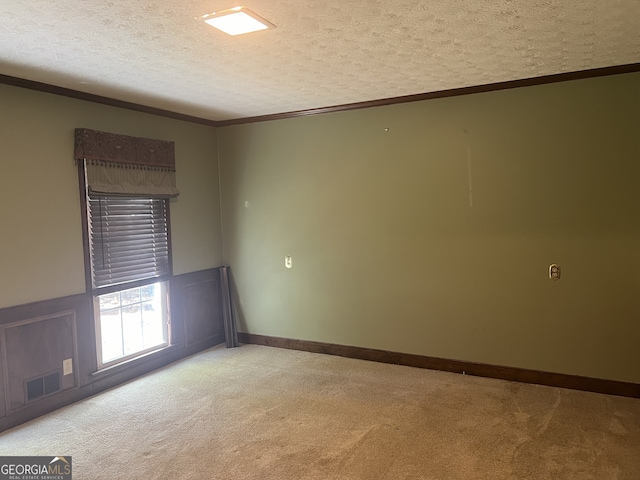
(129, 240)
(128, 183)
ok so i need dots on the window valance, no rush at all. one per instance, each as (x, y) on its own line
(124, 165)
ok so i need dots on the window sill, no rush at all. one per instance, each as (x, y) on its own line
(134, 362)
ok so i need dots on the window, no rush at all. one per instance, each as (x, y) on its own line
(132, 322)
(126, 183)
(129, 240)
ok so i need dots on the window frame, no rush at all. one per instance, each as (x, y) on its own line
(141, 353)
(95, 292)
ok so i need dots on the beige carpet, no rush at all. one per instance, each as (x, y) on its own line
(264, 413)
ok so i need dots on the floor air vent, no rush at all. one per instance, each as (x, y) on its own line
(42, 386)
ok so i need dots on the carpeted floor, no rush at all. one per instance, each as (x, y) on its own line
(264, 413)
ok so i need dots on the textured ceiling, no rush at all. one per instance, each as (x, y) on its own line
(155, 53)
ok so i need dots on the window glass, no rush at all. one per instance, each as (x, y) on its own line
(132, 321)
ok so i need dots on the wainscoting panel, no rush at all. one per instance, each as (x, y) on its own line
(199, 311)
(34, 340)
(197, 301)
(36, 348)
(37, 337)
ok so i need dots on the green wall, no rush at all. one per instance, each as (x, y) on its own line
(392, 251)
(390, 248)
(41, 240)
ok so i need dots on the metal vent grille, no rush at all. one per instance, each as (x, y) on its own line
(39, 387)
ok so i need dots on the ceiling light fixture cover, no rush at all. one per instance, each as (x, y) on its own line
(237, 21)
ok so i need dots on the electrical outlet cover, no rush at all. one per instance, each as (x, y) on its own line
(67, 366)
(554, 272)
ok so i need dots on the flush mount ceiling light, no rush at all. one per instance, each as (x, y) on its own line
(237, 20)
